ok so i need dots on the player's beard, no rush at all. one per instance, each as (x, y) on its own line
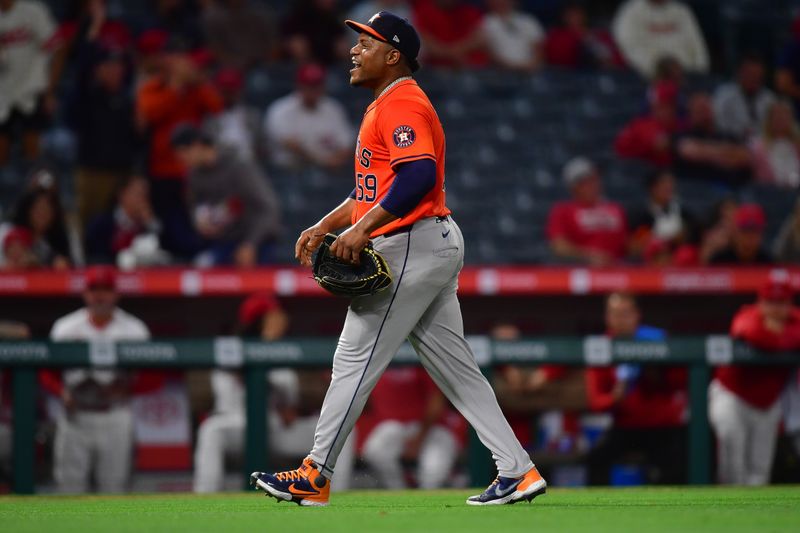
(357, 80)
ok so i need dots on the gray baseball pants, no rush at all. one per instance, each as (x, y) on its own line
(421, 305)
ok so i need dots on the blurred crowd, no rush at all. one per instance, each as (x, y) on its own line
(170, 164)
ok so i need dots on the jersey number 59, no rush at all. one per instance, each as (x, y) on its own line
(366, 187)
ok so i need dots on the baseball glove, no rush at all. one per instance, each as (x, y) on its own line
(341, 278)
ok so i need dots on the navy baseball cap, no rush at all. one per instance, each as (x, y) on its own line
(394, 30)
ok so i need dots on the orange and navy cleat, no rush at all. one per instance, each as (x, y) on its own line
(508, 490)
(305, 486)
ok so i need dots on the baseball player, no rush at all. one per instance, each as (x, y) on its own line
(412, 424)
(399, 204)
(222, 433)
(95, 433)
(744, 406)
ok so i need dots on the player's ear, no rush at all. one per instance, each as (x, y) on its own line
(393, 56)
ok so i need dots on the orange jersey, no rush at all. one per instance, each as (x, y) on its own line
(399, 127)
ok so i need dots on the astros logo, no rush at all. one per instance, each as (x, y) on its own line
(404, 136)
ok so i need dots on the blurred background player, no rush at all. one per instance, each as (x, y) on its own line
(649, 405)
(413, 426)
(94, 435)
(743, 405)
(291, 426)
(9, 330)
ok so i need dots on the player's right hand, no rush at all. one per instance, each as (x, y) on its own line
(308, 242)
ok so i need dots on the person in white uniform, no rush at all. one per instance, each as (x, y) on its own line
(94, 435)
(290, 432)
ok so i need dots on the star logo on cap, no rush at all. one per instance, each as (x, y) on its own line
(373, 18)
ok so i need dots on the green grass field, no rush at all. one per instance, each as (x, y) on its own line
(587, 510)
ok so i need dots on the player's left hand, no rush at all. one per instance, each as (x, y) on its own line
(349, 244)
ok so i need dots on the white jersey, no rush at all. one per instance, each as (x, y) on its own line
(77, 326)
(512, 39)
(645, 32)
(25, 30)
(323, 130)
(229, 392)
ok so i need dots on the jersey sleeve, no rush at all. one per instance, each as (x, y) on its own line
(599, 388)
(43, 26)
(59, 331)
(742, 325)
(139, 330)
(407, 132)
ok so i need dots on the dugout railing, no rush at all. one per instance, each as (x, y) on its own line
(253, 357)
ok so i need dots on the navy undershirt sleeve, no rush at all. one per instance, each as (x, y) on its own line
(414, 180)
(353, 194)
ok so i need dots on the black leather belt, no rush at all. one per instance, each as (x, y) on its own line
(406, 229)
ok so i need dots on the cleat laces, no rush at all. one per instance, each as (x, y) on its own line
(293, 475)
(290, 475)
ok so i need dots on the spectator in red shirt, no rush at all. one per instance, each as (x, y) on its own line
(451, 33)
(648, 137)
(574, 44)
(180, 94)
(649, 403)
(413, 425)
(586, 229)
(743, 405)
